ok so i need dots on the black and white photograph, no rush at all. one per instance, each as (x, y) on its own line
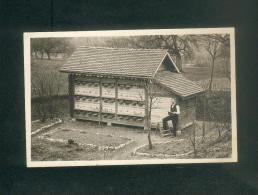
(126, 97)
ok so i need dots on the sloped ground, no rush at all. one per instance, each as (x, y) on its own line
(220, 148)
(212, 147)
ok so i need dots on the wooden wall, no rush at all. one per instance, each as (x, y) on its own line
(123, 101)
(188, 113)
(162, 104)
(109, 100)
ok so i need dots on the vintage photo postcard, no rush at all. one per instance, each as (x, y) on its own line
(130, 97)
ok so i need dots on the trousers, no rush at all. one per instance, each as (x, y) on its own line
(174, 119)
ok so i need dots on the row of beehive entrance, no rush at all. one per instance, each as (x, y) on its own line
(121, 102)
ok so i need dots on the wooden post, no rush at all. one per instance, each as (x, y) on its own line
(100, 101)
(146, 118)
(116, 98)
(180, 102)
(71, 94)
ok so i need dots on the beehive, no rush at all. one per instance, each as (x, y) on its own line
(112, 85)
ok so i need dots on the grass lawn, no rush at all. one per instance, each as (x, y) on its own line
(44, 150)
(201, 75)
(202, 72)
(217, 84)
(84, 137)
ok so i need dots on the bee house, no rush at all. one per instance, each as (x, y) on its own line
(114, 85)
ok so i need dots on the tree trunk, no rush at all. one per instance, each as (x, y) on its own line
(204, 118)
(194, 143)
(212, 71)
(195, 153)
(179, 62)
(48, 55)
(149, 128)
(149, 140)
(219, 132)
(227, 68)
(71, 94)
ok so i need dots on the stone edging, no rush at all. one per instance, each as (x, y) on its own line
(105, 148)
(47, 126)
(159, 155)
(35, 121)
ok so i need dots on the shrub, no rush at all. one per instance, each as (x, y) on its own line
(215, 108)
(218, 106)
(46, 85)
(71, 141)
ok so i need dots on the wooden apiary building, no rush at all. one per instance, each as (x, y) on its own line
(112, 85)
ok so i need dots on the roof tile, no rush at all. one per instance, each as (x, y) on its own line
(178, 83)
(116, 61)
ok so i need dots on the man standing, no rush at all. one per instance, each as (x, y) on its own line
(173, 116)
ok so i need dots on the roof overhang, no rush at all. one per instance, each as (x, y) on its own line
(105, 75)
(178, 94)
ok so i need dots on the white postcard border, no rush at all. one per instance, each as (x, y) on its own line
(106, 33)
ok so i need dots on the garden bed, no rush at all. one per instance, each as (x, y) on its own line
(84, 138)
(44, 150)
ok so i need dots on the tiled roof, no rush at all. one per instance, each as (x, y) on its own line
(178, 84)
(115, 61)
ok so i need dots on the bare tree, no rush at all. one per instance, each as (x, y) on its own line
(149, 87)
(212, 47)
(176, 45)
(224, 52)
(204, 102)
(217, 45)
(151, 90)
(192, 138)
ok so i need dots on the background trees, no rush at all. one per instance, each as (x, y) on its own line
(48, 46)
(217, 46)
(177, 46)
(180, 47)
(46, 88)
(185, 49)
